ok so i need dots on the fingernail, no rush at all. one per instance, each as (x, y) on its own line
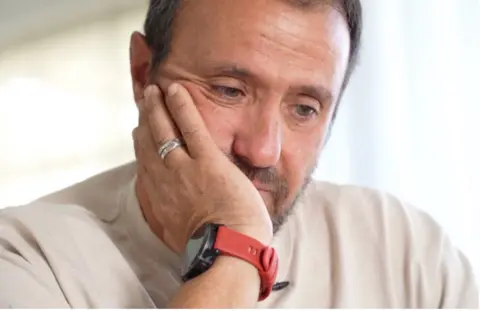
(172, 89)
(146, 91)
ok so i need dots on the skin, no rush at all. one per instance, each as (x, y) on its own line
(264, 98)
(230, 282)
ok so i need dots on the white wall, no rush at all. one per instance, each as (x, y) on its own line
(66, 107)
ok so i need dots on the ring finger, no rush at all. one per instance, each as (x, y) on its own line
(162, 126)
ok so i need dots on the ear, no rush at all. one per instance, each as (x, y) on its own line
(140, 64)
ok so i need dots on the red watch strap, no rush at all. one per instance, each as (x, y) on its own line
(264, 258)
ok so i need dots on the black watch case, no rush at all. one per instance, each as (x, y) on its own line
(199, 253)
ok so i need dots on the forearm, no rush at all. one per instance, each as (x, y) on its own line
(229, 283)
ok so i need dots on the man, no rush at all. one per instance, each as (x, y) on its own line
(236, 99)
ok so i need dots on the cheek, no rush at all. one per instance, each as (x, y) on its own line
(300, 154)
(220, 122)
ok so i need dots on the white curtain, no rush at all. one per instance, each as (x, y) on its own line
(409, 123)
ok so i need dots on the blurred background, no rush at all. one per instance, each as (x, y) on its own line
(409, 123)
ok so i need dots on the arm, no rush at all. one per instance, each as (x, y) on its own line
(25, 283)
(444, 276)
(229, 283)
(20, 288)
(202, 186)
(459, 288)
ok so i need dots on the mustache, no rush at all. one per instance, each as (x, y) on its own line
(268, 176)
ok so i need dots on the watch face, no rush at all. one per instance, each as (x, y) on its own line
(192, 250)
(199, 253)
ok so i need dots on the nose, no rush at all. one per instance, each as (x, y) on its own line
(259, 140)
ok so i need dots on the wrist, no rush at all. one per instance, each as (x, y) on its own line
(234, 282)
(237, 269)
(239, 272)
(242, 245)
(246, 246)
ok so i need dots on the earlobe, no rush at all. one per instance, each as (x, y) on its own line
(140, 63)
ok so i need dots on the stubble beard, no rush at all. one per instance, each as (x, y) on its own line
(280, 208)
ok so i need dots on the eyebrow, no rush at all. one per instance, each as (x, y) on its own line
(233, 71)
(319, 92)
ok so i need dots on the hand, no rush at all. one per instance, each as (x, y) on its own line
(196, 184)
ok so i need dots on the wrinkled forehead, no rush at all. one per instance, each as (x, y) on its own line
(270, 36)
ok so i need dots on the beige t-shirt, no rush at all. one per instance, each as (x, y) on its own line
(88, 246)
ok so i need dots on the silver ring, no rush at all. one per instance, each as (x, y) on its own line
(168, 146)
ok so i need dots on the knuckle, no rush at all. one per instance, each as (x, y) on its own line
(190, 133)
(176, 170)
(155, 170)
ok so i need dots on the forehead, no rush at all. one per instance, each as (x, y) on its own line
(268, 37)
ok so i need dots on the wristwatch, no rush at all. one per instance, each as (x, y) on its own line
(214, 240)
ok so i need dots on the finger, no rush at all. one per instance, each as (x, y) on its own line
(144, 146)
(139, 92)
(188, 121)
(162, 127)
(143, 170)
(141, 111)
(160, 122)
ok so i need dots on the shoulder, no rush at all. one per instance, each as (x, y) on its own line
(373, 220)
(45, 215)
(77, 219)
(368, 207)
(73, 219)
(376, 211)
(413, 246)
(40, 227)
(62, 254)
(80, 214)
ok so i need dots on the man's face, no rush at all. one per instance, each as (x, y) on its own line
(265, 76)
